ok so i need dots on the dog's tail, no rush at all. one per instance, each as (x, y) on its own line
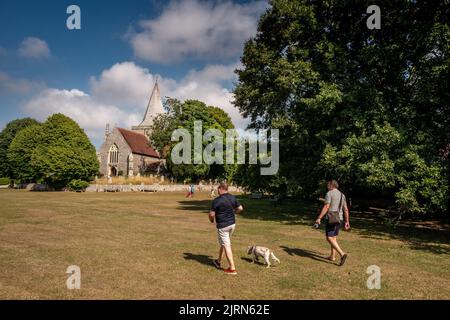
(274, 258)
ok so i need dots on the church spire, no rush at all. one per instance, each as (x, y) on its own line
(154, 106)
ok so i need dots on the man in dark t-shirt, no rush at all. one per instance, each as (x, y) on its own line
(223, 210)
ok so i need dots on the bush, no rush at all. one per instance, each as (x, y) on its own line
(4, 181)
(78, 185)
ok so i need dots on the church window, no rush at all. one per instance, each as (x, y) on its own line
(114, 154)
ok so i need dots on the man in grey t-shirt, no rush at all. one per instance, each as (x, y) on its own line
(333, 198)
(335, 201)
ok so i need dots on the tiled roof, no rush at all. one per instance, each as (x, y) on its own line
(138, 143)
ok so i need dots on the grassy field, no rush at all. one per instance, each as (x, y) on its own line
(160, 246)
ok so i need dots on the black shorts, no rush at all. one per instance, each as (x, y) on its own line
(332, 230)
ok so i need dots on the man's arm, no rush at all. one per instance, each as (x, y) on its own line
(211, 216)
(237, 206)
(346, 216)
(324, 211)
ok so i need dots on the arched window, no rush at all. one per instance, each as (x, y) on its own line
(113, 154)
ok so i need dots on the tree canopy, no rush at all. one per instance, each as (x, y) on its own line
(6, 137)
(367, 107)
(56, 152)
(183, 115)
(21, 151)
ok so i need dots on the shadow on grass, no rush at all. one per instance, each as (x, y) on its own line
(432, 237)
(200, 258)
(195, 205)
(306, 254)
(251, 261)
(291, 212)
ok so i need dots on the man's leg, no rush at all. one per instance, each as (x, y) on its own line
(225, 242)
(229, 255)
(332, 256)
(335, 245)
(220, 254)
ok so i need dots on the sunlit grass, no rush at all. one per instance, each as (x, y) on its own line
(160, 246)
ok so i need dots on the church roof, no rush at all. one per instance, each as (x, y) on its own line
(138, 143)
(154, 107)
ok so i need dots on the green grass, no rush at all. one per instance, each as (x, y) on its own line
(160, 246)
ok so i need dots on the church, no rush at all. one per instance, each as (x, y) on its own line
(128, 152)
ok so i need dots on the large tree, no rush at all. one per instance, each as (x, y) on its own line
(6, 137)
(368, 107)
(183, 115)
(56, 152)
(65, 153)
(21, 151)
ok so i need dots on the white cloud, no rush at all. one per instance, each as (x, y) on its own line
(119, 95)
(206, 85)
(34, 48)
(90, 114)
(11, 85)
(199, 29)
(129, 85)
(125, 84)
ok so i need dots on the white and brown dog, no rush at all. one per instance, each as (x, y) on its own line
(266, 253)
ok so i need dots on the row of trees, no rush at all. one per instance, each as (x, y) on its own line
(56, 152)
(367, 107)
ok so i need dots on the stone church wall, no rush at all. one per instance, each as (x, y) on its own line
(124, 151)
(140, 162)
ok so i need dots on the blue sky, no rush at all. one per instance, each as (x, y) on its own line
(105, 71)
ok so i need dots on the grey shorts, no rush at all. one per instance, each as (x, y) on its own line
(224, 235)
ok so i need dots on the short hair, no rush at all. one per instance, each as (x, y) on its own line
(223, 186)
(334, 183)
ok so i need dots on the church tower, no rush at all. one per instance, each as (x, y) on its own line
(154, 108)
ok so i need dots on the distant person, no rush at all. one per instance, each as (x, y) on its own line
(334, 208)
(212, 194)
(192, 190)
(223, 210)
(189, 193)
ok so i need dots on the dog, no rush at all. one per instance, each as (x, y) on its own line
(266, 253)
